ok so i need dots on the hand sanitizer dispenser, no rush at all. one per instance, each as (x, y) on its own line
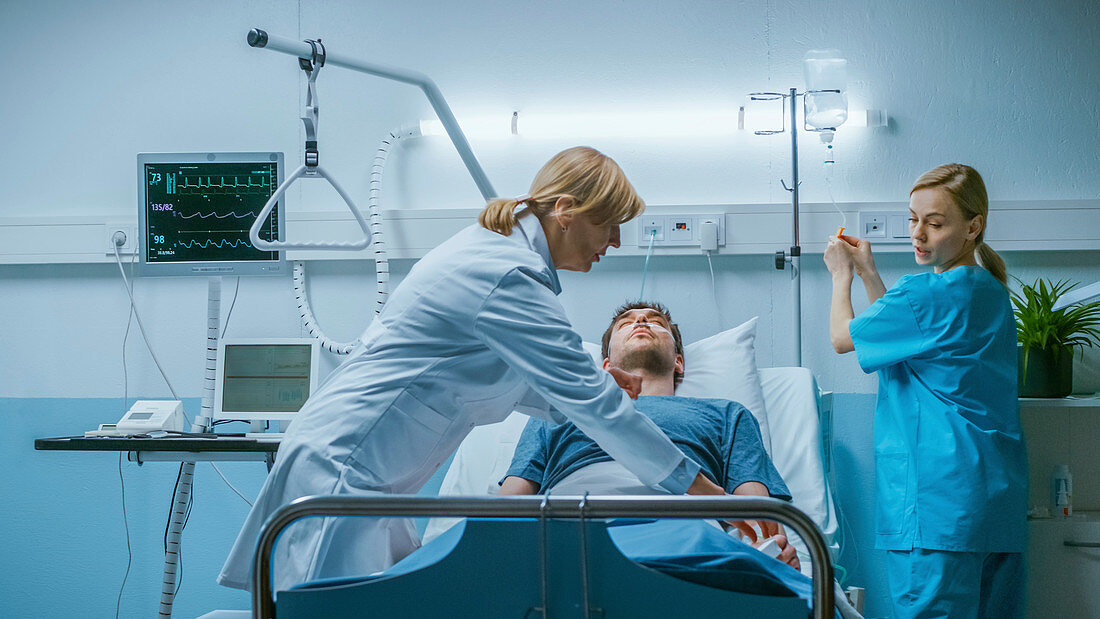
(1062, 491)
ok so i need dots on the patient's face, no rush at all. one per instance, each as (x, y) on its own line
(641, 340)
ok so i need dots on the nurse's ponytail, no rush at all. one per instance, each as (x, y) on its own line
(967, 191)
(598, 186)
(992, 262)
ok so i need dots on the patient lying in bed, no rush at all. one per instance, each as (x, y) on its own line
(722, 436)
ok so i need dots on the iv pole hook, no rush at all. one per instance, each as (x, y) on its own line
(784, 183)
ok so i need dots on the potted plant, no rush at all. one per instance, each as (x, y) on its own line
(1046, 337)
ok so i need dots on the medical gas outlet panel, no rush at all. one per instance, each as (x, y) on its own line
(704, 231)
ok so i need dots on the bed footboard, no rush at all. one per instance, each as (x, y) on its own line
(544, 509)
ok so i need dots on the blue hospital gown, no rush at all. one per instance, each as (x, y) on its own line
(722, 436)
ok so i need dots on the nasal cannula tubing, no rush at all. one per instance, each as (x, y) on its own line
(651, 325)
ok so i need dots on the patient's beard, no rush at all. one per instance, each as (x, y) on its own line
(651, 360)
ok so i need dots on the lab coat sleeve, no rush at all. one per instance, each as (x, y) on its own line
(522, 321)
(888, 332)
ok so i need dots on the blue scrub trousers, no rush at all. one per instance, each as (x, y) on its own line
(962, 585)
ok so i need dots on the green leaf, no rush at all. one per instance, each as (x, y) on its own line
(1039, 325)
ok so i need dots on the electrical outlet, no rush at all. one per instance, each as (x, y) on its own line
(129, 231)
(883, 226)
(681, 230)
(874, 227)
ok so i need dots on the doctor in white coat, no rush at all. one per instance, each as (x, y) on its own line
(473, 332)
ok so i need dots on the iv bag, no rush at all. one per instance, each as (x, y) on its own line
(825, 70)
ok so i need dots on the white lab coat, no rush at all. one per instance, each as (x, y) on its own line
(474, 331)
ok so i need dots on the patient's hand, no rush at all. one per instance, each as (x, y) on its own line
(631, 383)
(769, 530)
(787, 552)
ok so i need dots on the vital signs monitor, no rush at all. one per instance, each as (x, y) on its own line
(264, 379)
(195, 210)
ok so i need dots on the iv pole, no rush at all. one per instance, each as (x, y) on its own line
(794, 255)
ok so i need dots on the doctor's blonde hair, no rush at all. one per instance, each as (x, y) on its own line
(967, 191)
(598, 186)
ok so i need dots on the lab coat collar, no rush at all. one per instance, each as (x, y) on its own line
(531, 229)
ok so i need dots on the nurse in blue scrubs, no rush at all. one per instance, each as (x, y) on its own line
(951, 471)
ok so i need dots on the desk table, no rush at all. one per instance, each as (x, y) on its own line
(170, 449)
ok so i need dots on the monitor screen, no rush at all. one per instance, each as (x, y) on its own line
(195, 210)
(264, 378)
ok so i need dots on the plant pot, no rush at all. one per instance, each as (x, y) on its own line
(1049, 374)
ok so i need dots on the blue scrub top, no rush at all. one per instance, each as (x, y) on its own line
(951, 470)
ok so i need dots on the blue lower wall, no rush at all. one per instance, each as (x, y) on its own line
(64, 550)
(853, 483)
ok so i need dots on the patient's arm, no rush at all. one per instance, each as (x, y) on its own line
(517, 485)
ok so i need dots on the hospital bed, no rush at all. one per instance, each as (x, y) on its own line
(546, 566)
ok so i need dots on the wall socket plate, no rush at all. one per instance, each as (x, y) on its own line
(130, 230)
(678, 230)
(883, 227)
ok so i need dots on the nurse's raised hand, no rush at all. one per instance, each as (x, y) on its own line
(631, 383)
(862, 259)
(839, 257)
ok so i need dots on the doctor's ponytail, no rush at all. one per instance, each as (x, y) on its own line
(499, 215)
(967, 191)
(598, 186)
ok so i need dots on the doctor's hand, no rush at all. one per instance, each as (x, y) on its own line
(631, 383)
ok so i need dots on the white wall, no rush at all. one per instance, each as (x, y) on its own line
(1009, 87)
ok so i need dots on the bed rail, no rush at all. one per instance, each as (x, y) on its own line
(541, 507)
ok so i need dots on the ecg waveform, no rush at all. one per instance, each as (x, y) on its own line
(211, 242)
(249, 214)
(219, 185)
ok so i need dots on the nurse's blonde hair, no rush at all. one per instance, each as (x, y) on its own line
(598, 186)
(966, 189)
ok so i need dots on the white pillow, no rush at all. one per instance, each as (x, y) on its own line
(724, 366)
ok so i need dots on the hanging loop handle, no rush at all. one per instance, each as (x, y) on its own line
(311, 168)
(302, 171)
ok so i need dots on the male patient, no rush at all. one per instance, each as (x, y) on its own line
(722, 436)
